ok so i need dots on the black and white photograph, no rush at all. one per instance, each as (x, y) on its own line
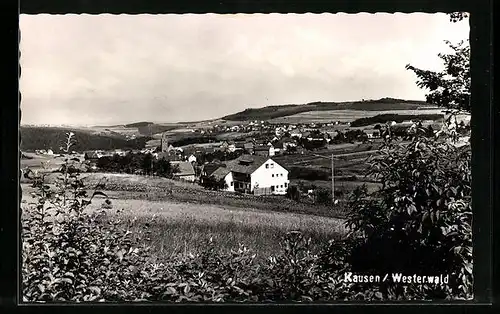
(245, 158)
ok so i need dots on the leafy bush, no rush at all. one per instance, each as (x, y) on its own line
(422, 214)
(293, 193)
(323, 196)
(69, 254)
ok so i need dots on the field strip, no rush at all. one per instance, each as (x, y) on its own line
(208, 213)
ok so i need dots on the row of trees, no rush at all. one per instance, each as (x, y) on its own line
(136, 163)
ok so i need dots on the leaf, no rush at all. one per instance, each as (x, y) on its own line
(411, 209)
(96, 290)
(425, 216)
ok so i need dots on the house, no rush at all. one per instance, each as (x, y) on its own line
(259, 175)
(170, 156)
(191, 158)
(260, 142)
(223, 173)
(371, 133)
(231, 146)
(248, 147)
(277, 146)
(209, 168)
(264, 150)
(240, 145)
(224, 146)
(91, 155)
(185, 170)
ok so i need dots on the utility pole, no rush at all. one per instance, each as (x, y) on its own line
(333, 184)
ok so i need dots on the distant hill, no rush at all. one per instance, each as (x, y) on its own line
(271, 112)
(33, 138)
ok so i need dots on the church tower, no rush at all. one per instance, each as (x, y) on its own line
(164, 142)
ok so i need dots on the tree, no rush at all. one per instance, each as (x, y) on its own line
(323, 196)
(451, 87)
(422, 213)
(293, 193)
(147, 163)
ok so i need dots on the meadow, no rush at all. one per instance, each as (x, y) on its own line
(346, 115)
(186, 215)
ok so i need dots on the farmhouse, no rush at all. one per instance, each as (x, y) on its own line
(185, 170)
(209, 168)
(91, 155)
(254, 174)
(223, 173)
(192, 158)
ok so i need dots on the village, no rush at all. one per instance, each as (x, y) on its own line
(256, 160)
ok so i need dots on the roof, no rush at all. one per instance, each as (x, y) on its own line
(210, 168)
(261, 148)
(168, 156)
(246, 163)
(185, 168)
(248, 145)
(220, 173)
(278, 144)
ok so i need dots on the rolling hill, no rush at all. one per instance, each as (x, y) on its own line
(272, 112)
(33, 138)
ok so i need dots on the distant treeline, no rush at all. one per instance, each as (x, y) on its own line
(34, 138)
(138, 124)
(383, 118)
(271, 112)
(193, 140)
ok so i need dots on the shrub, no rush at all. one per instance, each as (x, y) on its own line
(323, 196)
(293, 193)
(69, 254)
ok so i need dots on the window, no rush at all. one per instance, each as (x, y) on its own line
(282, 186)
(273, 175)
(272, 166)
(272, 188)
(232, 183)
(281, 174)
(267, 166)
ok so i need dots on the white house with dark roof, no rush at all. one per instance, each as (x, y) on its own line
(254, 174)
(185, 170)
(223, 173)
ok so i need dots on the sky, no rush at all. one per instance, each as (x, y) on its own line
(113, 69)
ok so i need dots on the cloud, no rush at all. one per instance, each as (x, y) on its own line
(89, 69)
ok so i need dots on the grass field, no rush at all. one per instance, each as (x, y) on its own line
(183, 226)
(345, 115)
